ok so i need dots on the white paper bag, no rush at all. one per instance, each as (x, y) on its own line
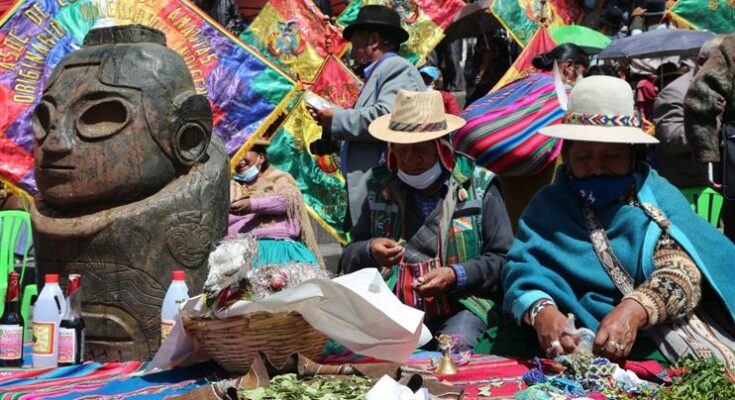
(357, 310)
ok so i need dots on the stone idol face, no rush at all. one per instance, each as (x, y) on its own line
(132, 184)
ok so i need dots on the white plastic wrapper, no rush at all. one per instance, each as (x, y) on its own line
(357, 310)
(388, 388)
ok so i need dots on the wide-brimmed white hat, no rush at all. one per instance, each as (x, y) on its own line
(601, 109)
(416, 117)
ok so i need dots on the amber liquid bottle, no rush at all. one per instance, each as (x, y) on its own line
(11, 326)
(71, 329)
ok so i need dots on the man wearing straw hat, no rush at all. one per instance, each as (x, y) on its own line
(376, 36)
(433, 220)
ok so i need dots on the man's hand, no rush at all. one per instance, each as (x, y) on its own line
(386, 252)
(618, 330)
(550, 324)
(323, 117)
(637, 12)
(241, 206)
(435, 282)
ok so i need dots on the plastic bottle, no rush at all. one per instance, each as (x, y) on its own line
(47, 312)
(11, 327)
(176, 295)
(71, 330)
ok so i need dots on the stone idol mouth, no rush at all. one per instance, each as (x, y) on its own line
(53, 167)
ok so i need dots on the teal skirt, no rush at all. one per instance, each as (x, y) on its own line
(279, 251)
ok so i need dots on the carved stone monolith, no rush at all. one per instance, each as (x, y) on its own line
(132, 184)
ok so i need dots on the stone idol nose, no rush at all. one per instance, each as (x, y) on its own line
(57, 142)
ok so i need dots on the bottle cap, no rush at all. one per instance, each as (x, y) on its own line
(52, 278)
(74, 283)
(13, 288)
(178, 275)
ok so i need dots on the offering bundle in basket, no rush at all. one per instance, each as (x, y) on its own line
(284, 309)
(234, 341)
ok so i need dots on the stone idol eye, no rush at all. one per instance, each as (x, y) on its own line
(42, 120)
(102, 119)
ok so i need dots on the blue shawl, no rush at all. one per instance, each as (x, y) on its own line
(552, 255)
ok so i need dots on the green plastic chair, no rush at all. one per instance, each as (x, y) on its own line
(11, 224)
(706, 202)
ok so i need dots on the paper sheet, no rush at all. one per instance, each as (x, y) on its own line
(357, 310)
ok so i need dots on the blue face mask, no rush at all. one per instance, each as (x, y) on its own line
(602, 190)
(248, 176)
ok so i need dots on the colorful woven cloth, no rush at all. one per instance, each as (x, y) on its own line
(127, 380)
(484, 377)
(502, 127)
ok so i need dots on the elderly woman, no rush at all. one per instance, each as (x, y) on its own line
(267, 204)
(616, 246)
(433, 220)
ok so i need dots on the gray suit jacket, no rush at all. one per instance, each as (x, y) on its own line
(674, 156)
(360, 151)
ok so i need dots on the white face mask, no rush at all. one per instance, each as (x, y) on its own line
(422, 180)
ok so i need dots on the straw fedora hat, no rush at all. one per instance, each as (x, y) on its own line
(601, 109)
(416, 117)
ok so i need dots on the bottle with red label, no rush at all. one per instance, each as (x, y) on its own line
(71, 329)
(11, 326)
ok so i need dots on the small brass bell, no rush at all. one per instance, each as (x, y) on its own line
(446, 366)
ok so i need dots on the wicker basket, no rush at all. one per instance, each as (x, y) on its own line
(234, 342)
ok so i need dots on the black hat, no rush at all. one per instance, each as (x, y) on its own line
(612, 17)
(380, 17)
(654, 7)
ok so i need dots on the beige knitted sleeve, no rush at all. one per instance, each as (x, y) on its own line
(674, 288)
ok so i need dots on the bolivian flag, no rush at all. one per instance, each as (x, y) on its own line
(319, 177)
(295, 35)
(424, 20)
(716, 16)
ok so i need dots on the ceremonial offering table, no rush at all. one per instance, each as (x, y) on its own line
(135, 380)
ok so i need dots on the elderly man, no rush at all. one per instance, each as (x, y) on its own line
(433, 219)
(709, 102)
(674, 158)
(376, 36)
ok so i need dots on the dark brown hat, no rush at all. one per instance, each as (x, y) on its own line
(612, 17)
(654, 7)
(377, 17)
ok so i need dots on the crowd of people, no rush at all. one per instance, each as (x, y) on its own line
(611, 241)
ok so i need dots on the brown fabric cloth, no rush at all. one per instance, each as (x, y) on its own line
(272, 182)
(711, 96)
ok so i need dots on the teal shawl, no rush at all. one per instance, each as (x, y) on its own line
(552, 256)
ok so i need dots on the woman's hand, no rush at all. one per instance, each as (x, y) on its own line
(241, 206)
(386, 252)
(618, 330)
(435, 282)
(550, 324)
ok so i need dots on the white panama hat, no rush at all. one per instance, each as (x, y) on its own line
(416, 117)
(601, 109)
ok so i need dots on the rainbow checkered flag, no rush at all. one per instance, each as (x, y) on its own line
(318, 177)
(716, 16)
(522, 18)
(247, 92)
(424, 20)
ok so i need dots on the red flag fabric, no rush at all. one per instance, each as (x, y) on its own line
(541, 42)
